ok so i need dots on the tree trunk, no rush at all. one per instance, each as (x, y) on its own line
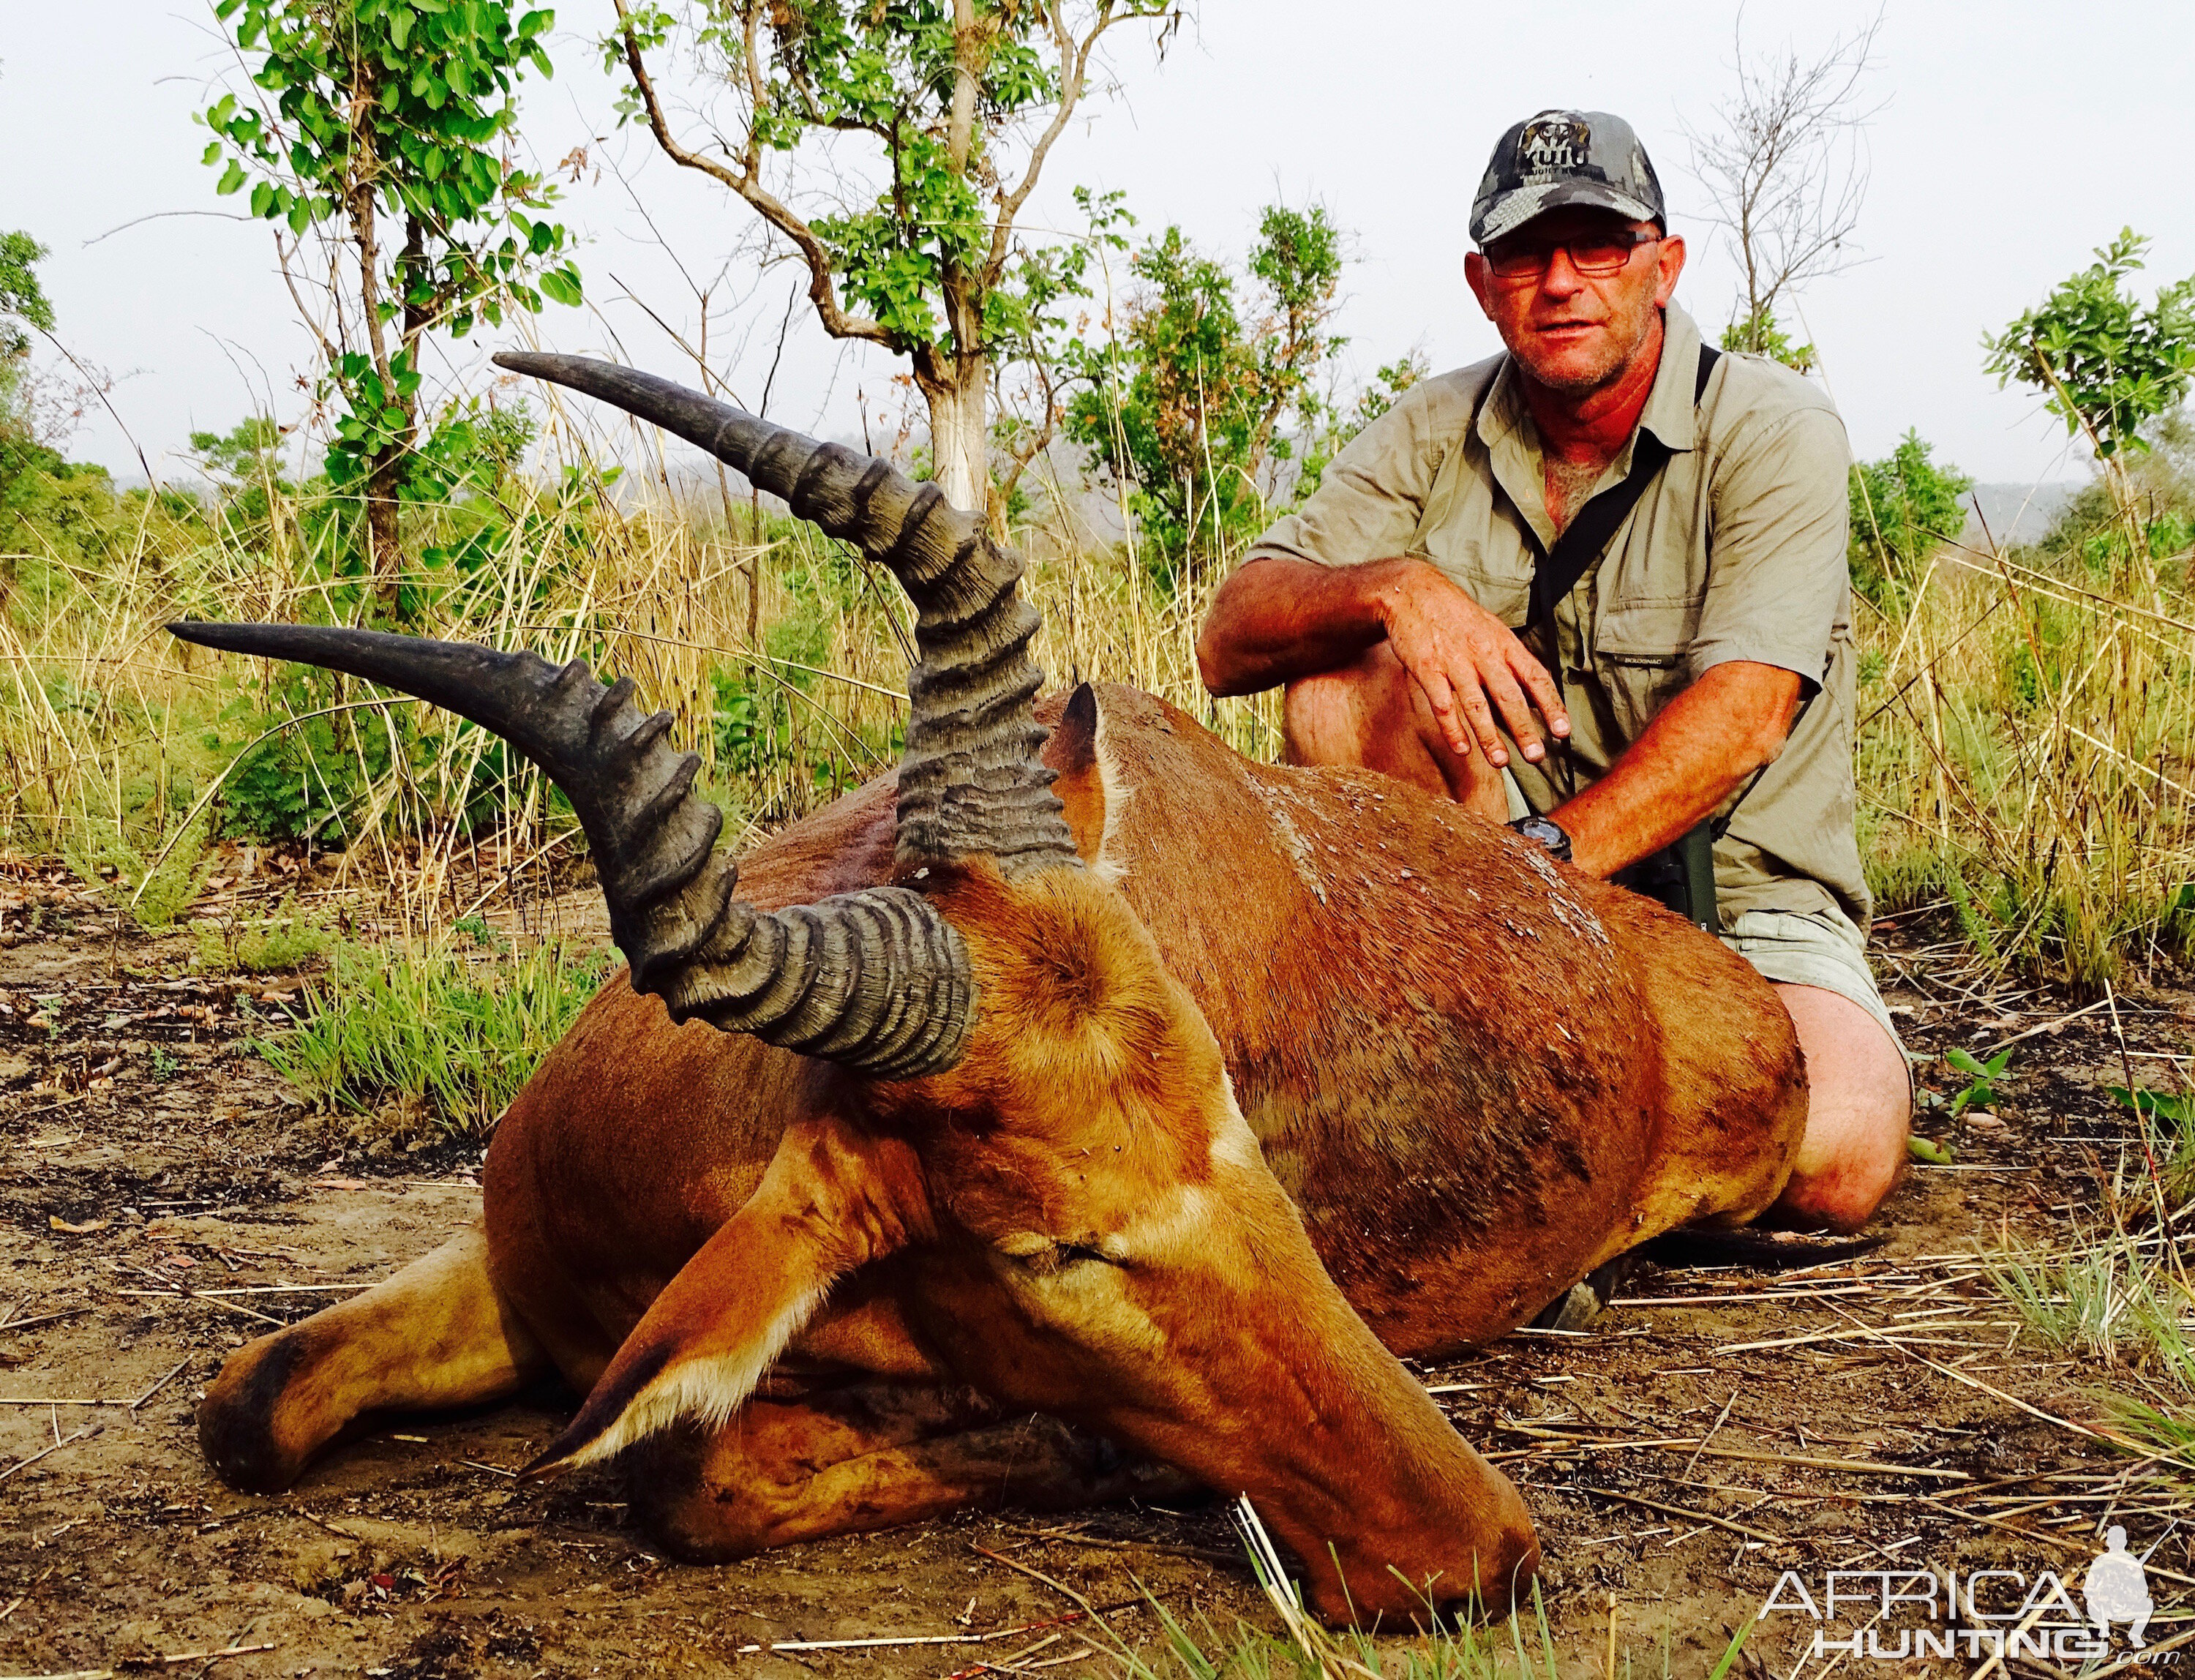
(383, 535)
(959, 458)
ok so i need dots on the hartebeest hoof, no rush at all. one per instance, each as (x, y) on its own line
(251, 1437)
(435, 1336)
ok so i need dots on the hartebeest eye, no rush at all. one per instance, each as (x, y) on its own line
(1043, 1255)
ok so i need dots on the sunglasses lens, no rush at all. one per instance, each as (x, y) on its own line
(1600, 257)
(1590, 254)
(1518, 259)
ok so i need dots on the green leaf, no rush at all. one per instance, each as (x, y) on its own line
(1929, 1151)
(263, 200)
(1965, 1062)
(2160, 1105)
(561, 285)
(212, 154)
(232, 179)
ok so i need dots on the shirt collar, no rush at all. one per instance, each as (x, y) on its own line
(1670, 411)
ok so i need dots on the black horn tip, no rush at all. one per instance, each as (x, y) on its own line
(527, 362)
(268, 641)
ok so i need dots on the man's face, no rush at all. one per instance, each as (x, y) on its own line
(1576, 333)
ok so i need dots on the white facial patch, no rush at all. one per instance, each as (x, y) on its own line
(1233, 1143)
(1110, 866)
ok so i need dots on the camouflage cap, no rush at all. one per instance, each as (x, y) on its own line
(1560, 159)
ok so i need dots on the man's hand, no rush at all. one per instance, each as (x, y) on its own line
(1470, 664)
(1276, 621)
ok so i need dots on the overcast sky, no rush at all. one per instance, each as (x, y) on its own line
(2014, 138)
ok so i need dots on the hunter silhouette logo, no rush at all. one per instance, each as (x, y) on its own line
(2116, 1588)
(1556, 144)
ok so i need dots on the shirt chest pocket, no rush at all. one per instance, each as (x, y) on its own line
(1640, 649)
(1504, 590)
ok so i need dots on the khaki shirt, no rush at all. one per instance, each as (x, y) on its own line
(1736, 552)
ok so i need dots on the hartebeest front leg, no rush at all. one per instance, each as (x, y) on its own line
(847, 1460)
(436, 1335)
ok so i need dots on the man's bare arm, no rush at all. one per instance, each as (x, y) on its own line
(1698, 750)
(1277, 620)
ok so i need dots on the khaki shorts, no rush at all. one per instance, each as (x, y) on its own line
(1816, 948)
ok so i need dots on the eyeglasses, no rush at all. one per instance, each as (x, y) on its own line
(1596, 253)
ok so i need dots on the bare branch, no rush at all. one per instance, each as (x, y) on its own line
(746, 181)
(1785, 168)
(1073, 78)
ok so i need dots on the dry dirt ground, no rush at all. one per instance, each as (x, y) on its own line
(165, 1197)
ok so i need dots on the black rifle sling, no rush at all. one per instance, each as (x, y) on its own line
(1681, 875)
(1556, 572)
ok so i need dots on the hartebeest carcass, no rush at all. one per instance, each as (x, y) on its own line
(1102, 1075)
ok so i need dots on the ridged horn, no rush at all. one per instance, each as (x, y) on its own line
(970, 783)
(876, 980)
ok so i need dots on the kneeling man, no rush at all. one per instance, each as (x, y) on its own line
(1642, 541)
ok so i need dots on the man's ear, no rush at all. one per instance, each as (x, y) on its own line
(1475, 277)
(1670, 260)
(833, 1199)
(1075, 752)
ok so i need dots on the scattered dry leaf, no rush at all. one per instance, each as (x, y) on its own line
(55, 1222)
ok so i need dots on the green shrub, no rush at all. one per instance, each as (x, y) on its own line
(1902, 506)
(167, 886)
(272, 944)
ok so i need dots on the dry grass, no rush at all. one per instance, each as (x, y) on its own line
(2023, 738)
(2023, 753)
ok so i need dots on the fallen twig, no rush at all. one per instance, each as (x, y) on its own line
(87, 1429)
(138, 1403)
(1686, 1512)
(50, 1317)
(1692, 1464)
(905, 1639)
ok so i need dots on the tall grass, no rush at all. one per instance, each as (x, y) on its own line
(2023, 737)
(782, 657)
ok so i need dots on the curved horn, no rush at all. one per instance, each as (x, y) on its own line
(970, 783)
(876, 979)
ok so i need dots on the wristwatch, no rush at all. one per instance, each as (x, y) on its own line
(1548, 833)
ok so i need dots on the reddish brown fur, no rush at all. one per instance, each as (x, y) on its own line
(1477, 1076)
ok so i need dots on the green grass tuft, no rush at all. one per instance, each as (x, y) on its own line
(272, 944)
(169, 883)
(458, 1037)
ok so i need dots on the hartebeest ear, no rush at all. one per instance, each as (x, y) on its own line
(832, 1199)
(1087, 786)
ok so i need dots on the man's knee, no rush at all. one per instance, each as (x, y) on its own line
(1859, 1106)
(1370, 713)
(1340, 717)
(1317, 724)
